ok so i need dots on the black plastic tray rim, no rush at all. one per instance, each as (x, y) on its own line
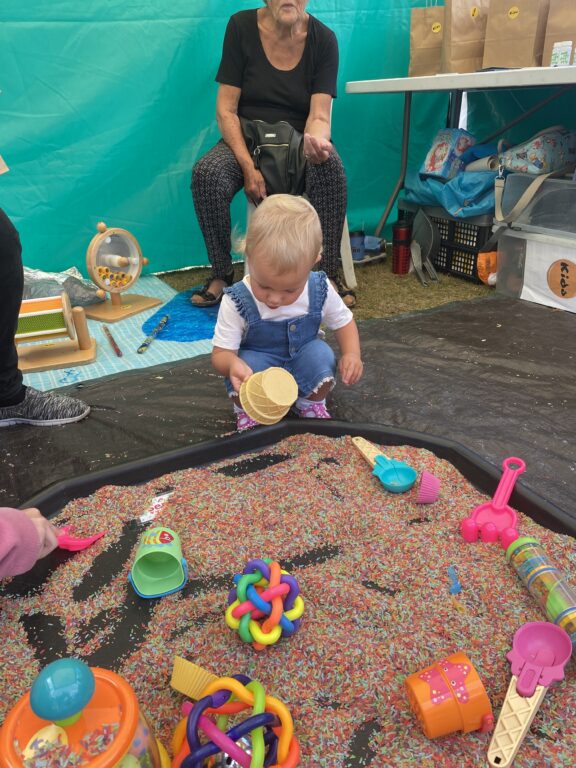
(483, 475)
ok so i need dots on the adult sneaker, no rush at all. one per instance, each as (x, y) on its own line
(43, 409)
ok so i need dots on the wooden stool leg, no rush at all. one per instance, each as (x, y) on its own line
(346, 258)
(250, 208)
(81, 326)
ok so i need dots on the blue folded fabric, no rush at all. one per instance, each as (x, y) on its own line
(467, 194)
(478, 151)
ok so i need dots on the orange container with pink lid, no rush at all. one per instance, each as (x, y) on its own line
(81, 716)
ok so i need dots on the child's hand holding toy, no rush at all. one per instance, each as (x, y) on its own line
(47, 533)
(239, 372)
(25, 536)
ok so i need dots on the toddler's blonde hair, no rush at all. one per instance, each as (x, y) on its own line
(285, 229)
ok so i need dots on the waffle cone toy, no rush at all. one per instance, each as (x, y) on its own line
(540, 651)
(267, 396)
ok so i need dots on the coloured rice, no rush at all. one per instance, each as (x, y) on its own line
(373, 571)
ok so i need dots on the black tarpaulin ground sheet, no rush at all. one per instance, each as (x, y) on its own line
(495, 375)
(473, 382)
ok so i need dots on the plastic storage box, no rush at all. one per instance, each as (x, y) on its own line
(552, 210)
(538, 268)
(460, 239)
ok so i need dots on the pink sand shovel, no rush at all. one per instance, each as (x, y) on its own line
(494, 519)
(74, 544)
(540, 651)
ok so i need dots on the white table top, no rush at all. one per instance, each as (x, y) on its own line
(473, 81)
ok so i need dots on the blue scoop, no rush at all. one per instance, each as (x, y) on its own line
(395, 476)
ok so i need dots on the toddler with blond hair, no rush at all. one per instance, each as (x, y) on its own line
(272, 317)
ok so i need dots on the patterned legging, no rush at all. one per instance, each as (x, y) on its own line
(217, 177)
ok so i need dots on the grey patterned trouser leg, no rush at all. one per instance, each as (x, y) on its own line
(217, 177)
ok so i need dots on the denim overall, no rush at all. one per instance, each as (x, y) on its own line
(290, 344)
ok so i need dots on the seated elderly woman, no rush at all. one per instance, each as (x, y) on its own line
(278, 63)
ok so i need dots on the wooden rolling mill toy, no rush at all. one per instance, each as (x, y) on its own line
(43, 320)
(114, 262)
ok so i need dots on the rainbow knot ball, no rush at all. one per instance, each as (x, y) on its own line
(268, 730)
(265, 605)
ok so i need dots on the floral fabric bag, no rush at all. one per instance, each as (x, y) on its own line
(444, 158)
(551, 152)
(545, 152)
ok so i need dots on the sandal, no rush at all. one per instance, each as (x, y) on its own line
(208, 298)
(348, 296)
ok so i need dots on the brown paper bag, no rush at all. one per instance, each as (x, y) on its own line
(426, 40)
(561, 27)
(515, 33)
(464, 31)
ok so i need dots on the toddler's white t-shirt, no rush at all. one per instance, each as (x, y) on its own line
(230, 325)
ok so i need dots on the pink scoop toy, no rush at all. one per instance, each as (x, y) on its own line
(540, 651)
(494, 519)
(74, 544)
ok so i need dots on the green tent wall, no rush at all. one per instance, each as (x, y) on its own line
(105, 106)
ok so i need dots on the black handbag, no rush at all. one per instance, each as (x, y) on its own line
(278, 153)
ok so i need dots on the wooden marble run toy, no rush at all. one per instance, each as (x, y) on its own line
(114, 262)
(43, 320)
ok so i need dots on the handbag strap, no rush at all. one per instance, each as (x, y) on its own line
(525, 198)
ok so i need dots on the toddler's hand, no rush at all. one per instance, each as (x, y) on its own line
(47, 533)
(350, 367)
(239, 372)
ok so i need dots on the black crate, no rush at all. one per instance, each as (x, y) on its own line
(460, 239)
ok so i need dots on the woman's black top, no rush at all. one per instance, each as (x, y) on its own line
(272, 94)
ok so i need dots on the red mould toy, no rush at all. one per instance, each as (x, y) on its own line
(495, 520)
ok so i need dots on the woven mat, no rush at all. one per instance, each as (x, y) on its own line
(129, 333)
(372, 567)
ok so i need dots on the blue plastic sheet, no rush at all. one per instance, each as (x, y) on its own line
(470, 193)
(186, 323)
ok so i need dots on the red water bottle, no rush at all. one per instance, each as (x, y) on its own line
(401, 239)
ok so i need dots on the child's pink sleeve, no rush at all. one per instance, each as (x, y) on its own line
(19, 542)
